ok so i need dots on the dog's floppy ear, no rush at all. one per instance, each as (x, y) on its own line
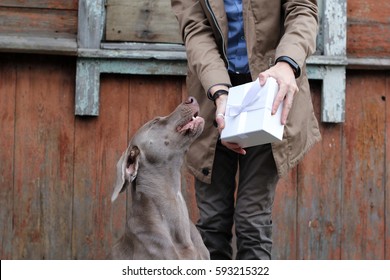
(126, 170)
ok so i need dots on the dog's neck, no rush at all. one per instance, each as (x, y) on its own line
(162, 192)
(159, 181)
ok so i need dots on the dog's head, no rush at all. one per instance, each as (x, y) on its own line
(159, 142)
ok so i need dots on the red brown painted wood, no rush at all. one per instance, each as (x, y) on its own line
(100, 141)
(43, 174)
(368, 28)
(7, 141)
(364, 154)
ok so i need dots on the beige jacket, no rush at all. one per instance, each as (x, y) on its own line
(272, 29)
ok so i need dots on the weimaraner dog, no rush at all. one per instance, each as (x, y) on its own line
(159, 226)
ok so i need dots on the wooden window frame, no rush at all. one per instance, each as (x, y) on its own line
(96, 57)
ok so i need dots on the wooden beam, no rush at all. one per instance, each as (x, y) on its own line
(34, 44)
(333, 89)
(91, 23)
(87, 87)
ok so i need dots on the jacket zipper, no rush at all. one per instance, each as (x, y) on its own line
(220, 32)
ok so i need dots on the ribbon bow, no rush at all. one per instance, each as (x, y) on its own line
(250, 101)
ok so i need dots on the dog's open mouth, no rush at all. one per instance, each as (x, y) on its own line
(191, 125)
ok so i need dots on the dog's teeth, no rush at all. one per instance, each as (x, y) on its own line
(193, 117)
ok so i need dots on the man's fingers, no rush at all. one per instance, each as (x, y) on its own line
(278, 100)
(263, 77)
(234, 147)
(220, 119)
(287, 107)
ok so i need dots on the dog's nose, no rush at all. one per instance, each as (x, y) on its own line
(191, 100)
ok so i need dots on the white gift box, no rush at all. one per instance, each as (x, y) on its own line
(248, 119)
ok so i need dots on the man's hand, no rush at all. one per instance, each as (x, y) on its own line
(284, 75)
(220, 104)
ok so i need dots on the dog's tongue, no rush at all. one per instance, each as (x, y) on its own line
(191, 125)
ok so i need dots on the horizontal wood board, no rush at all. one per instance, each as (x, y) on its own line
(141, 21)
(368, 28)
(54, 19)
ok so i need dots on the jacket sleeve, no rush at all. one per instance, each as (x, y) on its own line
(300, 30)
(204, 58)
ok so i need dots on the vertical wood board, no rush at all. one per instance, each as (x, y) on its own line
(188, 187)
(151, 96)
(43, 162)
(90, 23)
(319, 193)
(387, 162)
(364, 178)
(284, 216)
(100, 142)
(7, 141)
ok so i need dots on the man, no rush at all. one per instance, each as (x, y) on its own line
(229, 43)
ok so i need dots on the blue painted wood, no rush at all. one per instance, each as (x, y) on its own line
(90, 23)
(87, 87)
(335, 44)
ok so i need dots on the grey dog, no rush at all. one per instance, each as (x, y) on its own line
(159, 226)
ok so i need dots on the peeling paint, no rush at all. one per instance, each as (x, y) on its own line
(335, 38)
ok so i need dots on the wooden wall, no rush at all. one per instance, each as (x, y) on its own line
(335, 204)
(57, 170)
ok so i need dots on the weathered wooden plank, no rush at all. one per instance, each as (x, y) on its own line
(169, 56)
(369, 63)
(43, 22)
(90, 23)
(45, 45)
(334, 27)
(334, 22)
(49, 4)
(147, 67)
(152, 96)
(100, 142)
(7, 140)
(87, 87)
(333, 95)
(90, 33)
(368, 28)
(364, 177)
(368, 40)
(387, 184)
(141, 21)
(43, 172)
(284, 216)
(369, 11)
(320, 192)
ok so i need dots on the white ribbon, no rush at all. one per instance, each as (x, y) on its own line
(253, 100)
